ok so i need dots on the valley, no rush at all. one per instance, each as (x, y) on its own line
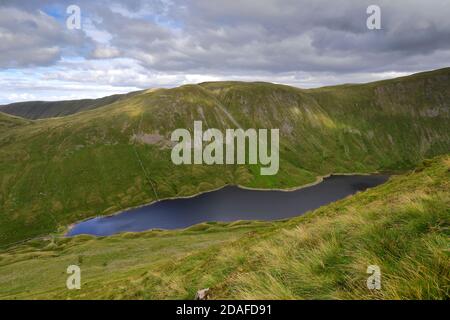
(57, 171)
(403, 226)
(62, 169)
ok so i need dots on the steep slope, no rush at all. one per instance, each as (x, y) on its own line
(401, 226)
(49, 109)
(61, 170)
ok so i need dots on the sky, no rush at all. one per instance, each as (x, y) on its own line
(123, 46)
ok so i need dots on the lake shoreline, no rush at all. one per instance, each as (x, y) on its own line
(319, 179)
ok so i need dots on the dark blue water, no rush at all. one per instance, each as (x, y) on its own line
(228, 204)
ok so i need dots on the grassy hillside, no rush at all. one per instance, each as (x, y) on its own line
(8, 122)
(401, 226)
(50, 109)
(60, 170)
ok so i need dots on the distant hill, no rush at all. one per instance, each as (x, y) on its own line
(114, 156)
(49, 109)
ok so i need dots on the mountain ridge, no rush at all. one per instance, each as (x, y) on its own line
(47, 109)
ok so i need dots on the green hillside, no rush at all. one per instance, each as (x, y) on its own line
(50, 109)
(402, 226)
(8, 122)
(58, 171)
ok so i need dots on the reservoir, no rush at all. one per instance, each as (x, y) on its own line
(228, 204)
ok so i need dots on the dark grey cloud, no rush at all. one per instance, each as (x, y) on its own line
(225, 37)
(283, 35)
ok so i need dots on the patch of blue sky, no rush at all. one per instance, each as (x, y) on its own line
(55, 10)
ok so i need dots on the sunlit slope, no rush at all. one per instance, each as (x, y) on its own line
(60, 170)
(401, 226)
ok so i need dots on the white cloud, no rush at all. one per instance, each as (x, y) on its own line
(32, 38)
(105, 52)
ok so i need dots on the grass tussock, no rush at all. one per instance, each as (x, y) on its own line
(329, 259)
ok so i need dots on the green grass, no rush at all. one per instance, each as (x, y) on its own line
(402, 226)
(57, 171)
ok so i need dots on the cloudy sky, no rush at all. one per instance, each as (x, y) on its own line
(136, 44)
